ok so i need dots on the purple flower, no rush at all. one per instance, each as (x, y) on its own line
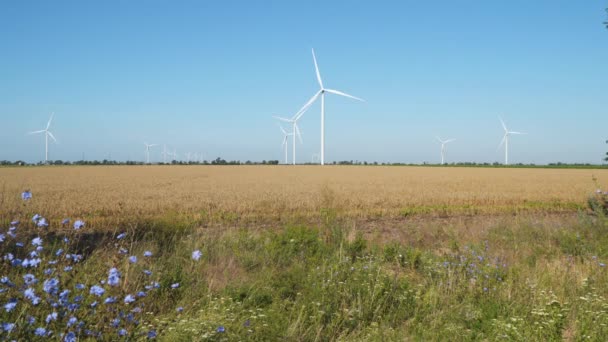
(132, 259)
(10, 305)
(29, 279)
(110, 300)
(113, 277)
(42, 223)
(152, 334)
(141, 294)
(180, 309)
(78, 224)
(121, 236)
(73, 320)
(79, 286)
(2, 237)
(97, 290)
(174, 286)
(26, 195)
(122, 332)
(14, 223)
(36, 217)
(8, 327)
(70, 337)
(147, 272)
(129, 299)
(196, 255)
(220, 329)
(40, 331)
(67, 269)
(31, 295)
(51, 286)
(59, 252)
(51, 317)
(147, 254)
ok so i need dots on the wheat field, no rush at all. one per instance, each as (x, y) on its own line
(270, 193)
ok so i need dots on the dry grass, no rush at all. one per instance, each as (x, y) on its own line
(226, 194)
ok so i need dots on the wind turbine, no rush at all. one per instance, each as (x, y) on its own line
(295, 129)
(286, 135)
(148, 151)
(443, 142)
(322, 92)
(47, 134)
(165, 153)
(505, 140)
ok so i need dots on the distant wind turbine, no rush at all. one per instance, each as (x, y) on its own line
(148, 151)
(295, 129)
(443, 143)
(165, 153)
(322, 92)
(505, 140)
(286, 136)
(47, 134)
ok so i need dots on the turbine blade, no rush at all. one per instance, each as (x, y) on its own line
(51, 135)
(48, 124)
(282, 119)
(283, 130)
(284, 140)
(503, 124)
(298, 133)
(307, 105)
(504, 137)
(337, 92)
(449, 140)
(36, 132)
(517, 133)
(317, 69)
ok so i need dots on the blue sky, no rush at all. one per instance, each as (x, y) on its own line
(207, 76)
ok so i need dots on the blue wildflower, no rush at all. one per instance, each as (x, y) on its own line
(147, 254)
(141, 294)
(40, 331)
(10, 305)
(67, 268)
(220, 329)
(115, 322)
(51, 286)
(174, 286)
(66, 240)
(147, 272)
(132, 259)
(602, 264)
(36, 218)
(51, 317)
(73, 320)
(42, 223)
(65, 221)
(9, 256)
(48, 271)
(37, 241)
(8, 327)
(19, 244)
(97, 290)
(78, 224)
(16, 262)
(70, 337)
(94, 304)
(121, 236)
(33, 254)
(29, 279)
(152, 334)
(122, 332)
(123, 250)
(26, 195)
(129, 299)
(30, 320)
(180, 309)
(113, 277)
(78, 298)
(31, 295)
(110, 300)
(196, 255)
(14, 223)
(59, 252)
(80, 287)
(2, 237)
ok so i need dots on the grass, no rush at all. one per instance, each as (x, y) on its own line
(511, 275)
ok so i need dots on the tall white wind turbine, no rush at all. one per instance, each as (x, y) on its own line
(47, 134)
(505, 140)
(443, 143)
(148, 151)
(322, 92)
(286, 136)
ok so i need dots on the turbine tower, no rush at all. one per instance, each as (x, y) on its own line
(285, 146)
(47, 134)
(148, 151)
(505, 140)
(322, 92)
(443, 143)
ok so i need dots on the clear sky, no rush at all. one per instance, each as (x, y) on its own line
(207, 76)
